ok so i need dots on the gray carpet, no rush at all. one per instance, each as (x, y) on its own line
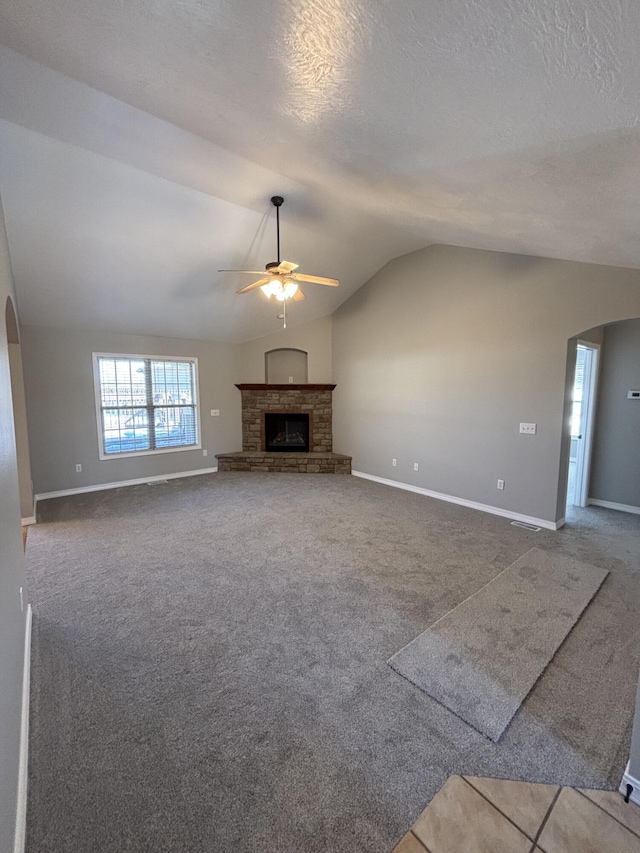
(209, 664)
(482, 658)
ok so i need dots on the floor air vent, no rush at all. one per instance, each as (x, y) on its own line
(526, 526)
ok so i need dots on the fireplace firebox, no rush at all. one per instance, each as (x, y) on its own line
(286, 432)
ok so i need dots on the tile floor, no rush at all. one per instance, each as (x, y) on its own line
(477, 815)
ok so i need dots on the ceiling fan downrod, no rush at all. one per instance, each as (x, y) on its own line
(277, 201)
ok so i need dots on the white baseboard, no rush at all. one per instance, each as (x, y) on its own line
(627, 779)
(21, 809)
(494, 510)
(27, 521)
(611, 505)
(100, 487)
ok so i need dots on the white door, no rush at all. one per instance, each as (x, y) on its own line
(584, 395)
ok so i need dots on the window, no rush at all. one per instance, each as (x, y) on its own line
(145, 404)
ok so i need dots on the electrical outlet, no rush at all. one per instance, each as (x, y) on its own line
(416, 466)
(78, 468)
(500, 484)
(205, 452)
(394, 462)
(291, 380)
(215, 413)
(528, 429)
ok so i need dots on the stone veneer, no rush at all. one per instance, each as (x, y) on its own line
(312, 399)
(286, 463)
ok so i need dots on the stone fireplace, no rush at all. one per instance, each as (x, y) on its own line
(314, 400)
(286, 428)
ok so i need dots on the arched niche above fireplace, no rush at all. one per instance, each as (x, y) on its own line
(286, 365)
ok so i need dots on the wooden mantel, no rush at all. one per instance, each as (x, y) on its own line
(289, 386)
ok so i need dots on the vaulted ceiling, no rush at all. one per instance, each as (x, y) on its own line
(140, 143)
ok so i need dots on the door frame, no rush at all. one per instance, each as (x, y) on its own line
(587, 417)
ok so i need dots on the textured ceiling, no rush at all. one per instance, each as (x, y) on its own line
(141, 141)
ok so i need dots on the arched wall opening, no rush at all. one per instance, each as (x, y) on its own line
(19, 414)
(614, 469)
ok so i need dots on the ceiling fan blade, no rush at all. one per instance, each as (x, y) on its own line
(315, 279)
(286, 267)
(253, 285)
(299, 295)
(249, 272)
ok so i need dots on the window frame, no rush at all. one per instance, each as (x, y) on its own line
(102, 455)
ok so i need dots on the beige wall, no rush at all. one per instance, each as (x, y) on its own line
(58, 368)
(12, 618)
(314, 338)
(593, 336)
(61, 410)
(445, 351)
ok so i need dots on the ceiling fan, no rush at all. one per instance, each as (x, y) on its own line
(279, 278)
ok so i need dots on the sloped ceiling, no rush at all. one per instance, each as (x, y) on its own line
(141, 142)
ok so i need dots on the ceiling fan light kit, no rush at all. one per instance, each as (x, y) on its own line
(279, 278)
(280, 289)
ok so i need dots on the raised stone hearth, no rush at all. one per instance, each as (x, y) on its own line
(287, 463)
(311, 399)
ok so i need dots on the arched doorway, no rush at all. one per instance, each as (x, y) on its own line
(19, 414)
(611, 452)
